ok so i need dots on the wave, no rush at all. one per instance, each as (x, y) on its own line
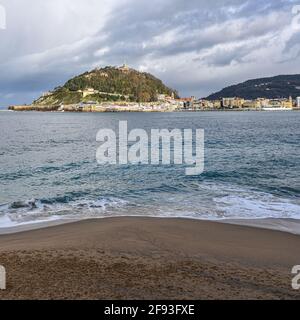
(257, 206)
(34, 211)
(196, 199)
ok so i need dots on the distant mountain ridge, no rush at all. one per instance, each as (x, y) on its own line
(107, 84)
(282, 86)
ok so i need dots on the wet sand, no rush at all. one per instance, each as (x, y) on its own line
(149, 258)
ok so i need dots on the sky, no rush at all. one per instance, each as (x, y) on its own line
(197, 47)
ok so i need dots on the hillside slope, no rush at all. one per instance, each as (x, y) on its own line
(107, 84)
(274, 87)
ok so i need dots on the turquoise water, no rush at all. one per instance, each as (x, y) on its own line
(49, 169)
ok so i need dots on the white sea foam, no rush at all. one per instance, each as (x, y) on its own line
(257, 206)
(34, 211)
(207, 201)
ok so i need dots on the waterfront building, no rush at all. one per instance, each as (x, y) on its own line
(263, 102)
(188, 103)
(252, 104)
(231, 103)
(216, 104)
(161, 97)
(287, 103)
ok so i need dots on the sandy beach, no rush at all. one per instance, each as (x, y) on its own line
(149, 258)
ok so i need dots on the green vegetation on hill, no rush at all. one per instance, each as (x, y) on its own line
(270, 88)
(110, 84)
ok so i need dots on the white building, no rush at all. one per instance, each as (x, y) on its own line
(298, 102)
(161, 97)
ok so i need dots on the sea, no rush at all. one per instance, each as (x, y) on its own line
(49, 171)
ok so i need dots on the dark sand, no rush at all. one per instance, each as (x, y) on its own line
(145, 258)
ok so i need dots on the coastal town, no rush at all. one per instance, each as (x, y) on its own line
(166, 103)
(113, 91)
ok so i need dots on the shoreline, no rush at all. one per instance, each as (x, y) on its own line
(154, 111)
(149, 258)
(286, 225)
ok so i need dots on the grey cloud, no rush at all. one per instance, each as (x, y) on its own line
(195, 46)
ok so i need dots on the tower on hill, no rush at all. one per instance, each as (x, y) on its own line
(124, 68)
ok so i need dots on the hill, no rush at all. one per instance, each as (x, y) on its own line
(107, 84)
(281, 86)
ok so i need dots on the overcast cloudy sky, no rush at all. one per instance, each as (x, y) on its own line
(195, 46)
